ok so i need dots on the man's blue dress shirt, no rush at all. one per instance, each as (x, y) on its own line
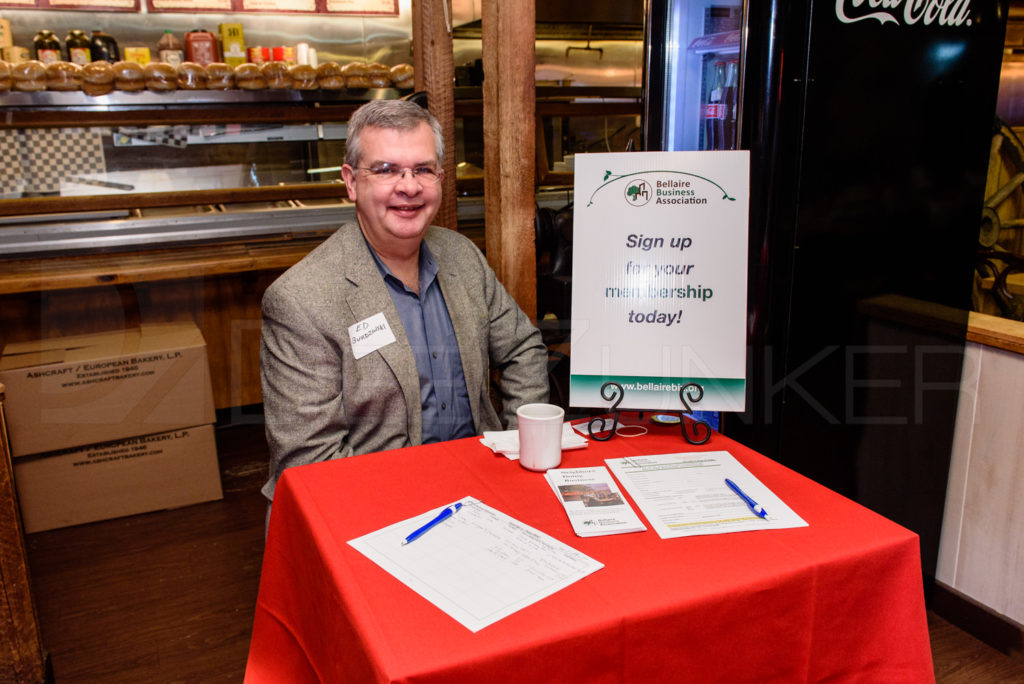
(444, 399)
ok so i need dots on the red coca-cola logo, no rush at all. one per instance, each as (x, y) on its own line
(714, 111)
(926, 12)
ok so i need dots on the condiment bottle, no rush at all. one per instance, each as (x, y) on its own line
(170, 50)
(46, 47)
(103, 47)
(77, 44)
(200, 47)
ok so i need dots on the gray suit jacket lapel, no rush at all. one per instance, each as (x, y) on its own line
(368, 296)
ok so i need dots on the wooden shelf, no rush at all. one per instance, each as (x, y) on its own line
(195, 107)
(985, 329)
(69, 272)
(28, 206)
(994, 331)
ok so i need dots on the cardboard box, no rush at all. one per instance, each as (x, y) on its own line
(114, 479)
(15, 54)
(6, 37)
(72, 391)
(136, 53)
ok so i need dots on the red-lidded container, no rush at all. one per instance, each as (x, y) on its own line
(259, 54)
(201, 47)
(283, 53)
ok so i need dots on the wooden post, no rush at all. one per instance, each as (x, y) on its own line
(21, 660)
(509, 105)
(434, 67)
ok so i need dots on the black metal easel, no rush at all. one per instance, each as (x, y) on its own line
(690, 392)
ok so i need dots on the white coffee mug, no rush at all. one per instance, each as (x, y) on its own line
(540, 436)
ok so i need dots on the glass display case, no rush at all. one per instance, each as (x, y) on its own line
(128, 170)
(145, 168)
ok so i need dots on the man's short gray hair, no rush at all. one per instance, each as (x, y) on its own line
(401, 115)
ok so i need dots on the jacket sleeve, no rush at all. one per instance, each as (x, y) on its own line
(301, 372)
(516, 351)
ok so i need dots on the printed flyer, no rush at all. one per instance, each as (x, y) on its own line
(593, 502)
(659, 293)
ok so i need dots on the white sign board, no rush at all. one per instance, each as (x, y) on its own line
(659, 285)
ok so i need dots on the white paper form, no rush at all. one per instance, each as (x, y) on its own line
(685, 494)
(479, 565)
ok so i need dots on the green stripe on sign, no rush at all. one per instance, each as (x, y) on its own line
(655, 392)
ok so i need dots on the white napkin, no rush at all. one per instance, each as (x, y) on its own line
(506, 442)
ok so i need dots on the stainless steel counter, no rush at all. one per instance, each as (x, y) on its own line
(150, 228)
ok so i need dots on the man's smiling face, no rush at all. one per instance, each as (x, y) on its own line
(394, 217)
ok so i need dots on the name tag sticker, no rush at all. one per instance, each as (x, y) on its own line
(370, 334)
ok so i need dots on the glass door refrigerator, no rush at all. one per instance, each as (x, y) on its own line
(868, 126)
(694, 83)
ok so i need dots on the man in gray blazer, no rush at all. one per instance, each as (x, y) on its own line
(385, 335)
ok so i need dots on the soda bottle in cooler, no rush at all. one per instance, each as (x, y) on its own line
(730, 99)
(714, 110)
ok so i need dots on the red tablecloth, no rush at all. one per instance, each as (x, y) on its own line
(840, 600)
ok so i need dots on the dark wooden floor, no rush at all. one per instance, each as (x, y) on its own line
(168, 596)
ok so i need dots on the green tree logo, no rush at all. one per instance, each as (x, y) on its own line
(638, 193)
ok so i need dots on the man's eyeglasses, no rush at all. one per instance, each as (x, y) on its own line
(388, 174)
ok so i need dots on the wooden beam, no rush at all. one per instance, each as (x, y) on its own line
(509, 106)
(435, 74)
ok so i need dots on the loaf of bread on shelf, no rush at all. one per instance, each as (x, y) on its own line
(276, 75)
(5, 76)
(219, 76)
(63, 76)
(330, 76)
(303, 77)
(356, 77)
(249, 77)
(402, 76)
(129, 76)
(161, 77)
(97, 78)
(191, 76)
(378, 75)
(29, 76)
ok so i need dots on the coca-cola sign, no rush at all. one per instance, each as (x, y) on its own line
(905, 12)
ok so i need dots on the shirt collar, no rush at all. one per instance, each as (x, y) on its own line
(428, 267)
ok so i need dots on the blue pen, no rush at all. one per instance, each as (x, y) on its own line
(441, 517)
(751, 504)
